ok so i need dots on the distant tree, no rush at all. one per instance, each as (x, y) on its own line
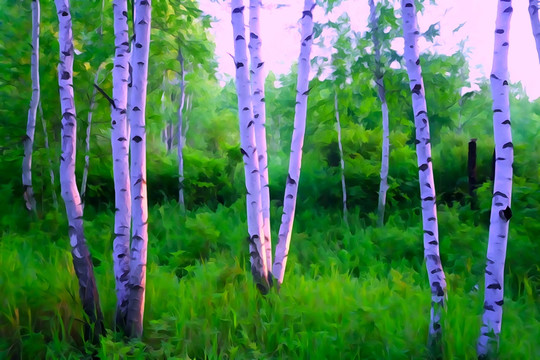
(425, 168)
(82, 261)
(502, 187)
(535, 24)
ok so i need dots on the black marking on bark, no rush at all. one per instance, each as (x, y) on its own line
(508, 145)
(253, 35)
(65, 13)
(239, 65)
(136, 108)
(508, 9)
(507, 122)
(429, 159)
(290, 180)
(289, 196)
(428, 198)
(251, 123)
(505, 83)
(238, 10)
(428, 232)
(307, 13)
(433, 242)
(416, 89)
(308, 38)
(499, 31)
(505, 43)
(493, 76)
(245, 108)
(256, 116)
(263, 100)
(122, 139)
(418, 61)
(488, 307)
(506, 214)
(495, 286)
(436, 271)
(438, 288)
(306, 92)
(260, 64)
(500, 302)
(416, 142)
(498, 193)
(499, 204)
(436, 326)
(137, 139)
(65, 75)
(497, 110)
(125, 13)
(423, 167)
(239, 37)
(408, 5)
(138, 45)
(244, 153)
(431, 219)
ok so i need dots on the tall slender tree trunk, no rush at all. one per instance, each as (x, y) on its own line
(139, 202)
(87, 139)
(47, 148)
(379, 80)
(257, 251)
(31, 124)
(341, 158)
(535, 24)
(295, 160)
(259, 114)
(502, 188)
(82, 261)
(181, 134)
(427, 186)
(120, 153)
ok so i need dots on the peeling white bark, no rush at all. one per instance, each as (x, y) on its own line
(139, 202)
(259, 115)
(32, 111)
(120, 154)
(535, 24)
(379, 80)
(502, 187)
(259, 267)
(295, 160)
(427, 186)
(342, 161)
(82, 261)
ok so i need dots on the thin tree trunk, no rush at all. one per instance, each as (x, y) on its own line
(257, 251)
(295, 160)
(379, 80)
(31, 124)
(471, 167)
(427, 186)
(82, 261)
(181, 135)
(502, 188)
(342, 161)
(120, 153)
(139, 203)
(259, 114)
(87, 140)
(535, 23)
(51, 171)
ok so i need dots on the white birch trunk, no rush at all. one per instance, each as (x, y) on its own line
(181, 135)
(32, 111)
(257, 251)
(120, 154)
(82, 261)
(259, 115)
(295, 160)
(427, 186)
(502, 187)
(342, 160)
(379, 80)
(87, 140)
(51, 172)
(139, 203)
(535, 24)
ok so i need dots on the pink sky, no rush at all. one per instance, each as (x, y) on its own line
(281, 37)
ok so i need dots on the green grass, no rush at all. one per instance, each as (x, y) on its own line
(349, 293)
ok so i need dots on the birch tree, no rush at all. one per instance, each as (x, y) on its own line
(82, 261)
(341, 158)
(31, 123)
(259, 115)
(181, 132)
(295, 160)
(425, 169)
(379, 81)
(259, 267)
(535, 23)
(139, 204)
(502, 187)
(120, 153)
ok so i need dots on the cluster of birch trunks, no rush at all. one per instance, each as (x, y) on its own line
(128, 141)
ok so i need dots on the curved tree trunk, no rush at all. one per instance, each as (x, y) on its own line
(120, 153)
(257, 251)
(295, 160)
(341, 158)
(181, 134)
(139, 204)
(82, 261)
(379, 80)
(31, 124)
(435, 271)
(259, 115)
(502, 187)
(535, 24)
